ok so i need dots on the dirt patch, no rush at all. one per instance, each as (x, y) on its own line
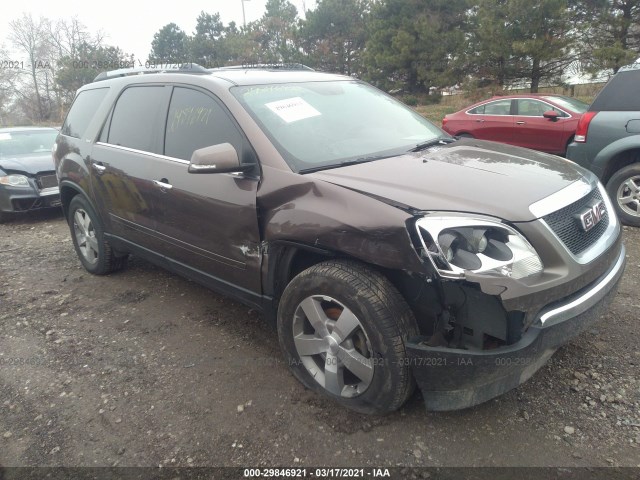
(144, 368)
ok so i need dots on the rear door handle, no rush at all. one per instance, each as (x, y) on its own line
(480, 121)
(163, 184)
(520, 123)
(98, 167)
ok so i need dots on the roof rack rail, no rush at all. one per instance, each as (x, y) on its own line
(153, 68)
(264, 66)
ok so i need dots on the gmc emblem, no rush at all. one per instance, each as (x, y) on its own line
(590, 218)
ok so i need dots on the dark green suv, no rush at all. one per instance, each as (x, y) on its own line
(607, 142)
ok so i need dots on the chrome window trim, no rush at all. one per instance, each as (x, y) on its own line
(568, 115)
(150, 154)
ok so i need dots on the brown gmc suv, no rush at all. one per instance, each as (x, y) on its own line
(388, 252)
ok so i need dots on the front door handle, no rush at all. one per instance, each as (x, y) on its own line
(480, 121)
(98, 167)
(163, 184)
(520, 123)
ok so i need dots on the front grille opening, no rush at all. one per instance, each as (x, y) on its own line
(566, 225)
(47, 181)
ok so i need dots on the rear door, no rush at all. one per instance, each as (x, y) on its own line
(534, 131)
(206, 222)
(122, 162)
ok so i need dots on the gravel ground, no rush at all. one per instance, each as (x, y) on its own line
(144, 368)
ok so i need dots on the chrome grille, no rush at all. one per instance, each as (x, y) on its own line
(566, 224)
(47, 181)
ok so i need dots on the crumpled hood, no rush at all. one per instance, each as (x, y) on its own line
(465, 176)
(30, 164)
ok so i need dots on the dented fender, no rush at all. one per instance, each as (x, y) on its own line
(354, 225)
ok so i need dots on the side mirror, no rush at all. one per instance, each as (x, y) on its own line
(221, 158)
(551, 115)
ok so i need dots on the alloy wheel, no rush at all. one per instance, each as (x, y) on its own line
(333, 346)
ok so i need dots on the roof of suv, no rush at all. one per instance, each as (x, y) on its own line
(266, 76)
(237, 75)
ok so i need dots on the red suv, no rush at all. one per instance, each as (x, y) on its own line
(541, 122)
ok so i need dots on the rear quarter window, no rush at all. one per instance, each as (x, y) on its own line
(622, 93)
(82, 110)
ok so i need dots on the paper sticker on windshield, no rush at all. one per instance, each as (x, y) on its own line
(5, 136)
(293, 109)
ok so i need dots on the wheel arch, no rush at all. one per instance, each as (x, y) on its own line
(68, 190)
(620, 160)
(286, 259)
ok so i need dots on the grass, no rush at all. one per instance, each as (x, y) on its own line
(436, 113)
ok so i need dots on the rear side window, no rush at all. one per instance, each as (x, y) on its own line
(138, 118)
(501, 107)
(82, 110)
(196, 121)
(622, 93)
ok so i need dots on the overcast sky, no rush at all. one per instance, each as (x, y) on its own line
(130, 24)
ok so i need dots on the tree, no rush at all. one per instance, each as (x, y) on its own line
(30, 36)
(275, 32)
(516, 41)
(611, 33)
(81, 68)
(71, 43)
(239, 47)
(169, 45)
(334, 35)
(8, 78)
(490, 57)
(415, 45)
(206, 46)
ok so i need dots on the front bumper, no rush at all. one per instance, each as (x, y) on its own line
(451, 379)
(15, 199)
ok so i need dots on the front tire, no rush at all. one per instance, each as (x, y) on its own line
(87, 234)
(342, 327)
(624, 190)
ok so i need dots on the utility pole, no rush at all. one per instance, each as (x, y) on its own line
(244, 18)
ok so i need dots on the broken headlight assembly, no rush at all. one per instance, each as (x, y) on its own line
(455, 245)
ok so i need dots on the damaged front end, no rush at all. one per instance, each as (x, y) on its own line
(499, 306)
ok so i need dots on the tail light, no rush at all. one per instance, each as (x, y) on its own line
(444, 121)
(583, 127)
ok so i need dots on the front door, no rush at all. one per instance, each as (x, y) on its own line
(534, 131)
(206, 222)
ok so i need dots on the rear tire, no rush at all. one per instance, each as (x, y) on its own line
(87, 234)
(465, 135)
(624, 190)
(342, 327)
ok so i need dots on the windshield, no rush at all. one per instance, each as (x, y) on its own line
(569, 103)
(26, 142)
(324, 124)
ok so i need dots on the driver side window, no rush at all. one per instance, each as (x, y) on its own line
(196, 121)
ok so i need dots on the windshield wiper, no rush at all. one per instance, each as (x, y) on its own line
(432, 143)
(345, 163)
